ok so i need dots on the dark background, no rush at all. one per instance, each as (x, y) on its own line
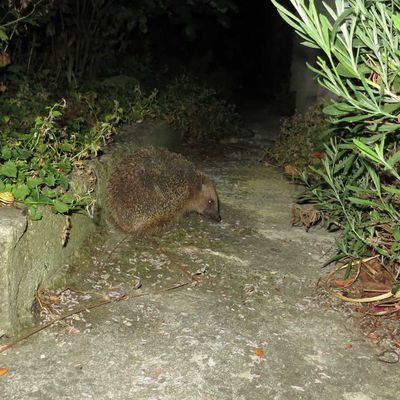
(244, 48)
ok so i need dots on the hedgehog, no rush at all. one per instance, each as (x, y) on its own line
(153, 187)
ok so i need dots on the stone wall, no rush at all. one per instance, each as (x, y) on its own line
(32, 253)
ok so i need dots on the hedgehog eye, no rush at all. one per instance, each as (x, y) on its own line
(210, 201)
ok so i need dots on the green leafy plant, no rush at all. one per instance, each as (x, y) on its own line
(354, 197)
(301, 139)
(72, 40)
(35, 166)
(360, 62)
(359, 184)
(197, 111)
(41, 147)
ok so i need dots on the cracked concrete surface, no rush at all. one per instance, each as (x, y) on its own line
(252, 327)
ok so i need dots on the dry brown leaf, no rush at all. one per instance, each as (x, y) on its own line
(305, 216)
(343, 282)
(318, 154)
(291, 170)
(3, 371)
(66, 230)
(259, 352)
(396, 343)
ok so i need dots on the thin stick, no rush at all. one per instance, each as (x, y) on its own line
(82, 309)
(115, 247)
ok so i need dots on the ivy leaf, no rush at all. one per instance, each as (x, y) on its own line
(6, 153)
(34, 213)
(67, 198)
(66, 147)
(65, 166)
(61, 207)
(34, 182)
(24, 154)
(21, 192)
(9, 169)
(63, 182)
(49, 193)
(50, 180)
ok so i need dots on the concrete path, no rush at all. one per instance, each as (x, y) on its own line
(251, 328)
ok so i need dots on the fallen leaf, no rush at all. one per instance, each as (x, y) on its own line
(291, 170)
(349, 346)
(259, 352)
(372, 336)
(396, 343)
(343, 282)
(3, 371)
(318, 154)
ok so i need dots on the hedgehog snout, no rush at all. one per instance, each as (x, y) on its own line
(212, 210)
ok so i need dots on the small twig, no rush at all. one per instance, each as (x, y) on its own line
(396, 356)
(115, 247)
(181, 266)
(82, 309)
(57, 319)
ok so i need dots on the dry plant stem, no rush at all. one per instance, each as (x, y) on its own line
(358, 263)
(181, 266)
(381, 355)
(341, 268)
(90, 307)
(384, 296)
(115, 248)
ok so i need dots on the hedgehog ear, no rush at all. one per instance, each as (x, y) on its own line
(204, 180)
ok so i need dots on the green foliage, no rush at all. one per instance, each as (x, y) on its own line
(359, 187)
(301, 139)
(41, 146)
(361, 61)
(361, 195)
(35, 165)
(72, 39)
(197, 111)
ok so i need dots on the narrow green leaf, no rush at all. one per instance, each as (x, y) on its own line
(396, 234)
(363, 202)
(3, 35)
(337, 257)
(394, 159)
(396, 21)
(365, 150)
(391, 189)
(375, 178)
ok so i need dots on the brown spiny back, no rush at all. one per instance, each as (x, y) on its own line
(151, 188)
